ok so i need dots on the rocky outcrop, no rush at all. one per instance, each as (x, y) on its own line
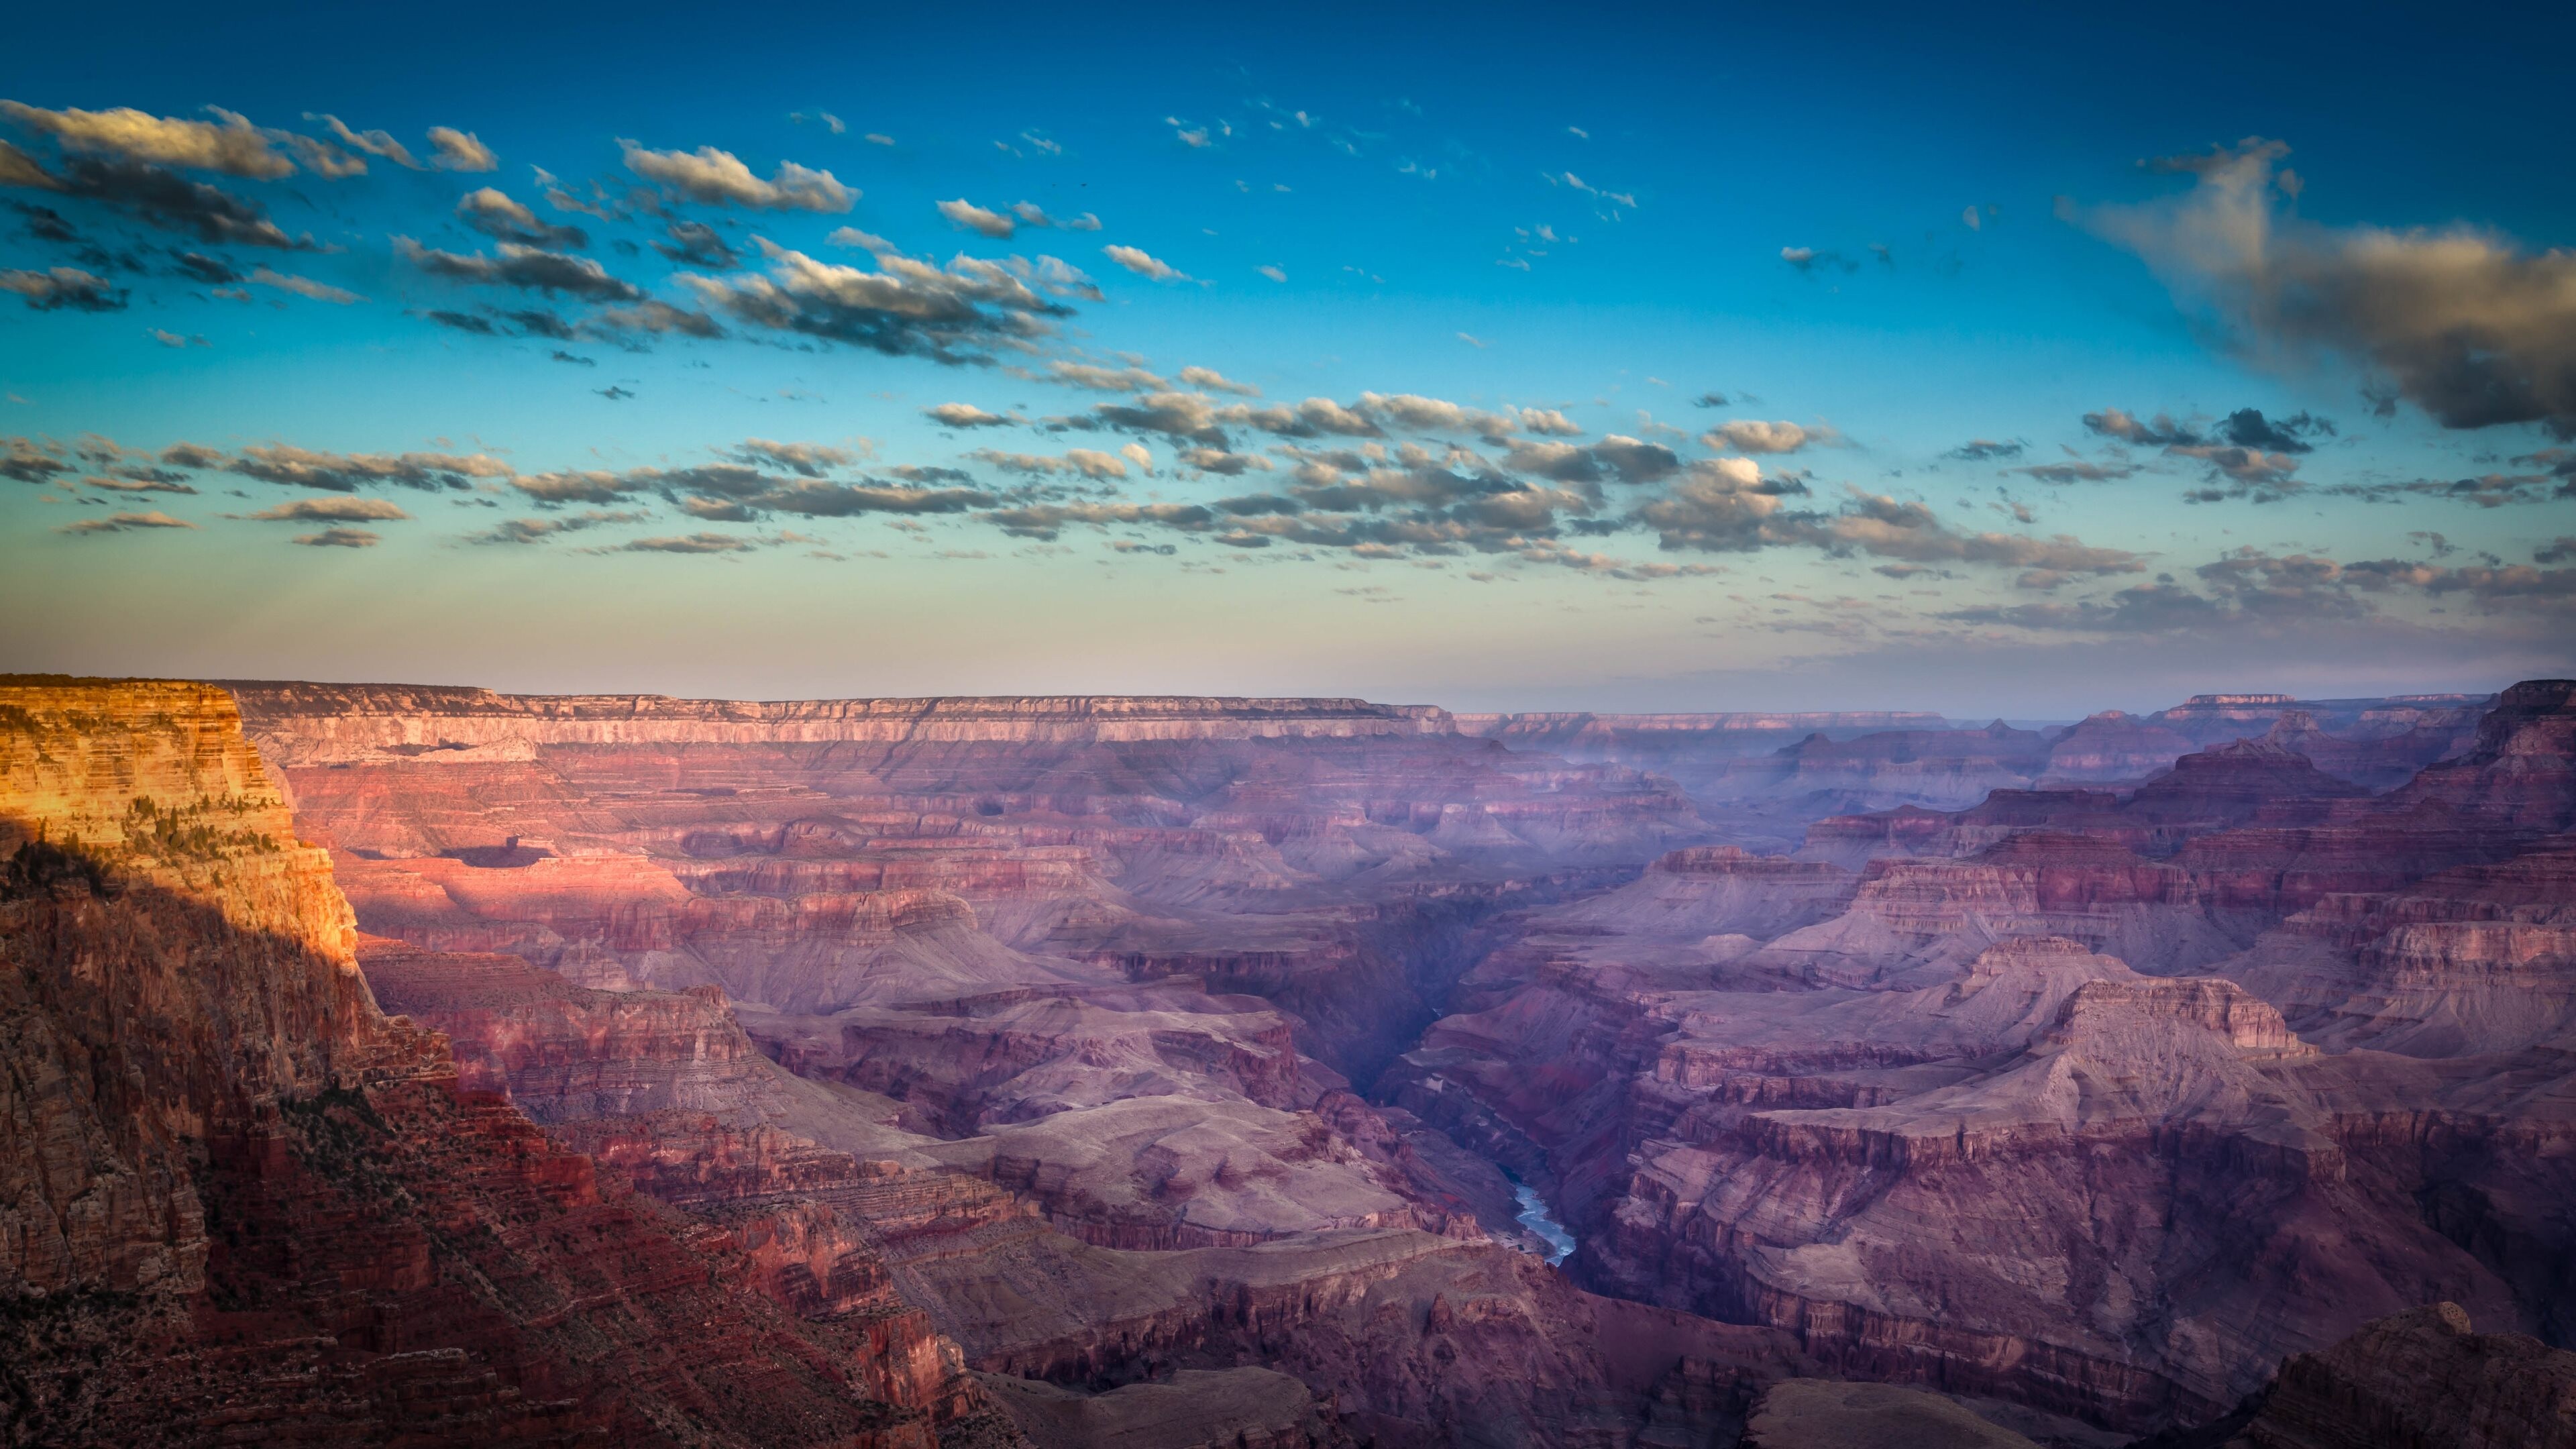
(2423, 1379)
(242, 1205)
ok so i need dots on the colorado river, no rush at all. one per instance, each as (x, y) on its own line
(1535, 1217)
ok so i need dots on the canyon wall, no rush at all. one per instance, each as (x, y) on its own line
(1104, 1064)
(237, 1203)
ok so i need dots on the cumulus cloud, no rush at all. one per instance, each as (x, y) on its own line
(719, 178)
(2464, 323)
(1749, 435)
(1143, 265)
(454, 150)
(492, 212)
(811, 460)
(229, 143)
(1208, 379)
(1985, 450)
(1089, 462)
(332, 472)
(2247, 454)
(64, 288)
(374, 143)
(905, 307)
(967, 215)
(515, 265)
(966, 415)
(125, 522)
(696, 244)
(331, 510)
(1104, 379)
(162, 198)
(1613, 459)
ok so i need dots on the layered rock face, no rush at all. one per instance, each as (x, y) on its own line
(237, 1204)
(1160, 1061)
(2424, 1379)
(2101, 1099)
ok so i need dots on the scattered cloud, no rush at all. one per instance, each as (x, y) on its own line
(125, 523)
(304, 287)
(905, 307)
(492, 212)
(454, 150)
(64, 288)
(331, 510)
(1143, 265)
(719, 178)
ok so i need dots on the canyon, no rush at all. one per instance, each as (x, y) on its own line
(1180, 1071)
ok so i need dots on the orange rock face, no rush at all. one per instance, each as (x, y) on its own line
(239, 1204)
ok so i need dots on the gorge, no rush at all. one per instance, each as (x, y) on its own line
(1179, 1071)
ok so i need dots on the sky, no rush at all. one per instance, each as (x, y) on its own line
(2013, 361)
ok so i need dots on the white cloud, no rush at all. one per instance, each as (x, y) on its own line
(719, 178)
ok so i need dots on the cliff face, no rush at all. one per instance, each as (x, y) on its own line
(2423, 1379)
(1029, 1027)
(239, 1203)
(2067, 1101)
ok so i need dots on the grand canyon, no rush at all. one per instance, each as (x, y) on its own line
(1164, 726)
(431, 1065)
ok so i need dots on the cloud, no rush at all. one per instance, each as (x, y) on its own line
(331, 472)
(229, 144)
(1615, 459)
(2464, 323)
(374, 143)
(64, 288)
(696, 244)
(491, 212)
(455, 150)
(966, 214)
(1748, 435)
(1029, 213)
(125, 522)
(1089, 462)
(532, 268)
(1275, 274)
(1046, 520)
(2077, 471)
(533, 530)
(1143, 265)
(966, 415)
(812, 460)
(331, 510)
(341, 538)
(719, 178)
(29, 461)
(1104, 379)
(2255, 456)
(905, 307)
(172, 202)
(1210, 380)
(826, 119)
(1985, 450)
(304, 287)
(1807, 260)
(690, 543)
(2163, 432)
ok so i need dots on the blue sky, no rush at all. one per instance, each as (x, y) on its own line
(1391, 367)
